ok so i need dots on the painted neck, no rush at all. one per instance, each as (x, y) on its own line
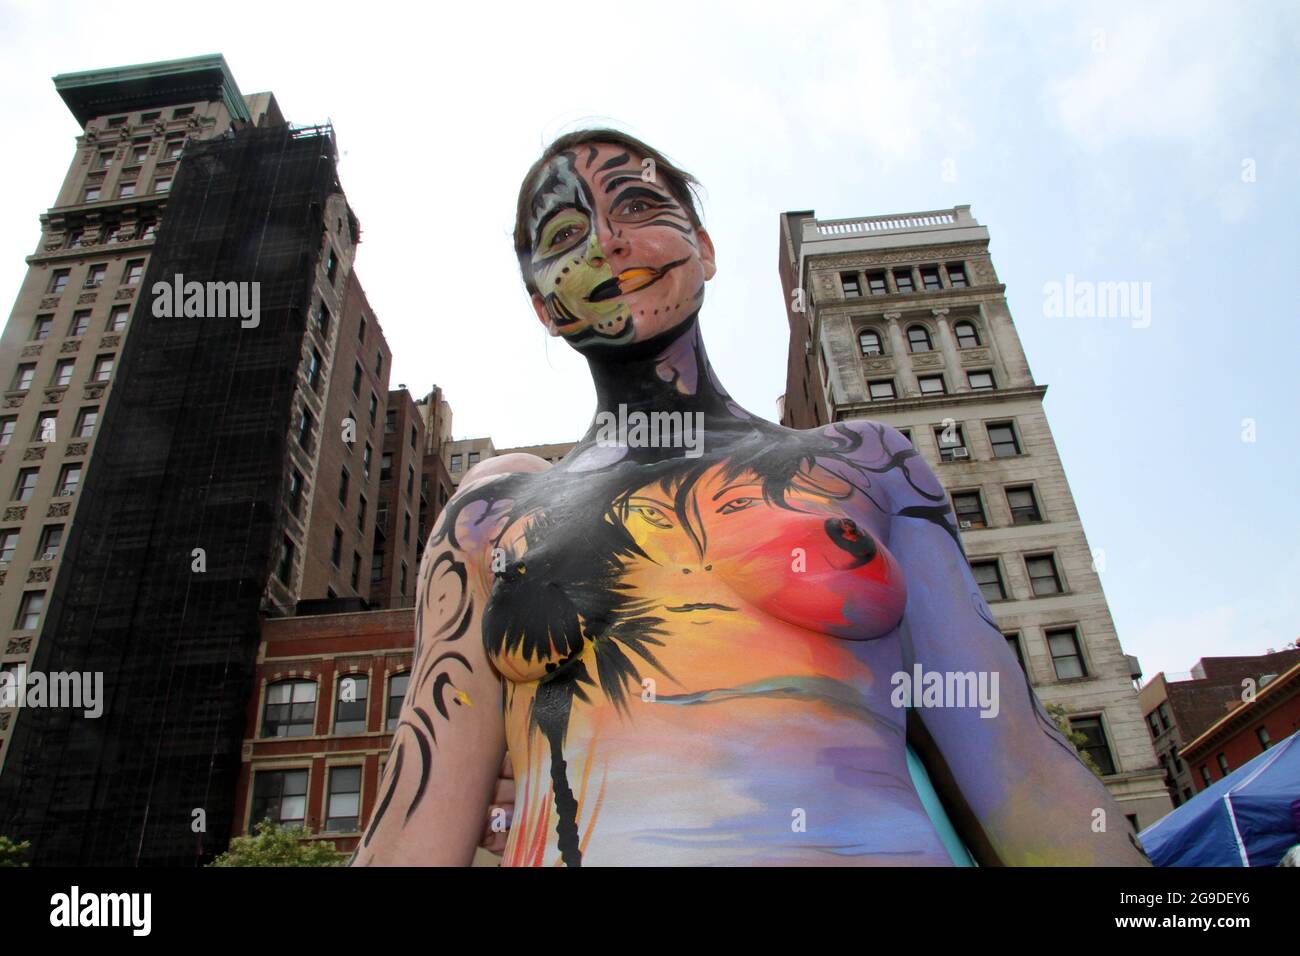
(669, 372)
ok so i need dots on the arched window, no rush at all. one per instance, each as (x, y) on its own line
(350, 706)
(918, 339)
(397, 685)
(290, 709)
(967, 337)
(870, 342)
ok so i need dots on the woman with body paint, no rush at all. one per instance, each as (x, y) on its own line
(690, 655)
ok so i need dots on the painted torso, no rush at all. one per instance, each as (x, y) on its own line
(734, 706)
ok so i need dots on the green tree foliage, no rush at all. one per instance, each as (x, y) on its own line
(11, 853)
(274, 845)
(1062, 718)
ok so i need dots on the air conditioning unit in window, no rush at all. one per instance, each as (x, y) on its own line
(963, 524)
(961, 453)
(49, 555)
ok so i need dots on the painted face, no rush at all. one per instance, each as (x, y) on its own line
(808, 564)
(615, 257)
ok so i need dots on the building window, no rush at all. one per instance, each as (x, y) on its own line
(132, 273)
(397, 685)
(402, 590)
(472, 459)
(95, 276)
(162, 185)
(284, 569)
(1265, 741)
(379, 365)
(7, 426)
(1223, 764)
(106, 159)
(103, 370)
(1066, 656)
(62, 373)
(304, 430)
(149, 231)
(139, 154)
(1153, 725)
(279, 796)
(1013, 642)
(25, 486)
(957, 275)
(390, 421)
(930, 278)
(967, 337)
(1094, 743)
(313, 370)
(386, 466)
(869, 341)
(8, 545)
(29, 610)
(903, 280)
(1043, 576)
(92, 194)
(350, 706)
(290, 709)
(41, 327)
(361, 330)
(1205, 775)
(117, 320)
(1023, 504)
(182, 111)
(876, 283)
(410, 480)
(47, 549)
(413, 437)
(989, 577)
(356, 379)
(918, 339)
(1002, 437)
(361, 513)
(336, 549)
(331, 266)
(406, 528)
(951, 440)
(850, 284)
(979, 380)
(323, 320)
(881, 389)
(295, 492)
(970, 511)
(59, 280)
(356, 571)
(343, 487)
(126, 190)
(80, 322)
(374, 408)
(151, 117)
(174, 148)
(455, 463)
(23, 376)
(69, 480)
(365, 460)
(931, 384)
(376, 566)
(343, 813)
(46, 427)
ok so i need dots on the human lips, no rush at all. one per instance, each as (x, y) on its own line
(632, 279)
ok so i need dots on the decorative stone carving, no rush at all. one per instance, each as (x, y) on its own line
(31, 350)
(18, 645)
(125, 293)
(977, 356)
(110, 341)
(58, 509)
(15, 513)
(54, 395)
(94, 391)
(14, 401)
(87, 297)
(35, 453)
(39, 575)
(75, 448)
(50, 302)
(877, 365)
(927, 360)
(71, 345)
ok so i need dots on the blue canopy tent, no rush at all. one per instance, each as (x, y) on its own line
(1249, 818)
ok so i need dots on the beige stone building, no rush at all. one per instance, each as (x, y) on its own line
(902, 319)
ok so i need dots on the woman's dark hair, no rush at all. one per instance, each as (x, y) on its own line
(680, 183)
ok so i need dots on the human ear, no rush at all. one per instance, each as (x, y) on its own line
(539, 306)
(706, 253)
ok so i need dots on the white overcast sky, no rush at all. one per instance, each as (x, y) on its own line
(1105, 141)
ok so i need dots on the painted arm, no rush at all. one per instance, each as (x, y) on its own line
(1018, 789)
(450, 739)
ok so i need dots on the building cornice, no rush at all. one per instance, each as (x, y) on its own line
(853, 410)
(144, 86)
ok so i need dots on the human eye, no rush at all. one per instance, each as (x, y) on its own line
(737, 504)
(652, 516)
(562, 232)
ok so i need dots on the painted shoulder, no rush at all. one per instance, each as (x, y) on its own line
(511, 464)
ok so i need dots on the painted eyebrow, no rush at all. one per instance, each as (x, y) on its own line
(655, 501)
(614, 162)
(739, 484)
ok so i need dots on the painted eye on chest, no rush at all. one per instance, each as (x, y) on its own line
(737, 504)
(651, 515)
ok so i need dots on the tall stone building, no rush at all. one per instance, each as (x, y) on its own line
(175, 477)
(902, 319)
